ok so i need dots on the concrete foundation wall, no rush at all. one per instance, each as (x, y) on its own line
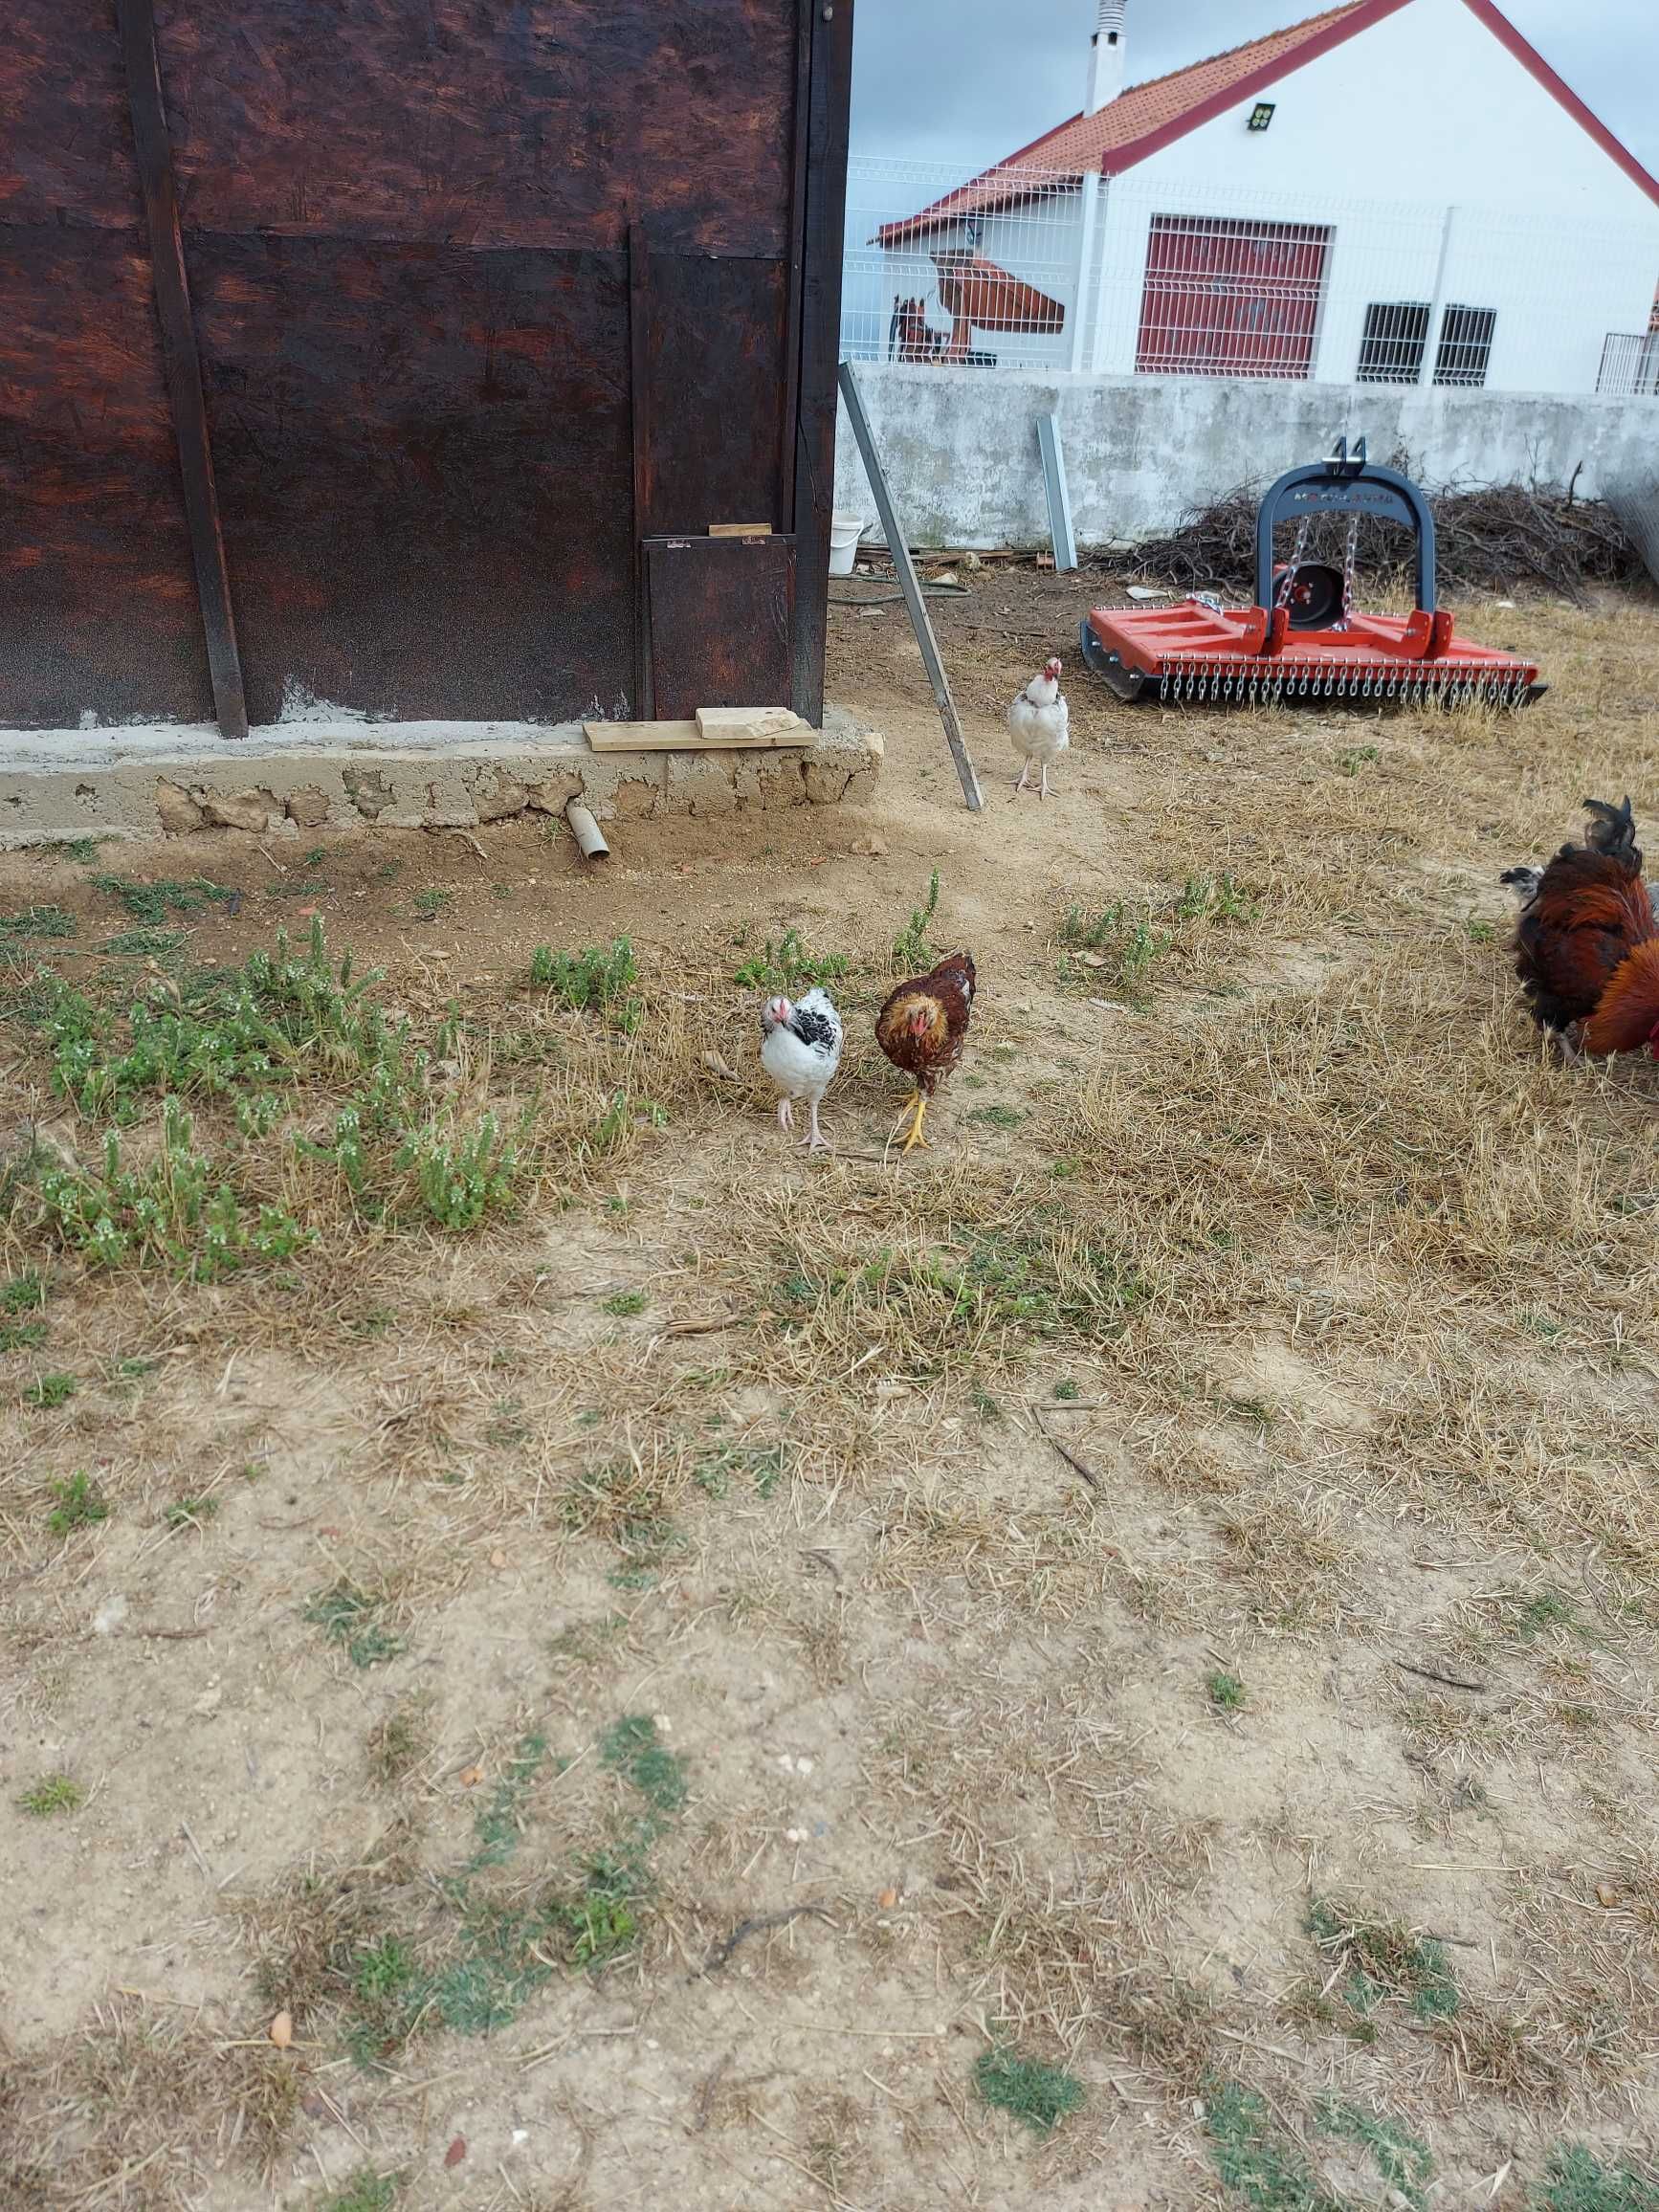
(959, 445)
(290, 779)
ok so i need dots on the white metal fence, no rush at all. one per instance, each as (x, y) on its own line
(1634, 498)
(915, 292)
(1035, 269)
(1630, 364)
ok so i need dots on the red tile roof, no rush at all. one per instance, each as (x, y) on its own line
(1115, 136)
(1146, 117)
(1089, 141)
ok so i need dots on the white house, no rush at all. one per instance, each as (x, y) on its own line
(1394, 192)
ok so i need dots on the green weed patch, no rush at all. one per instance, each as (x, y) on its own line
(600, 978)
(1031, 2091)
(789, 964)
(488, 1954)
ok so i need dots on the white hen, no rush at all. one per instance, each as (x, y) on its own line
(1039, 723)
(801, 1049)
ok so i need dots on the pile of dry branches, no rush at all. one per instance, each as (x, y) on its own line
(1498, 538)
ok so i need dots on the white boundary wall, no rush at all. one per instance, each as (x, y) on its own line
(960, 446)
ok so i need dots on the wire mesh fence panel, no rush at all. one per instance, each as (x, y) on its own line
(1635, 500)
(1021, 268)
(984, 275)
(1392, 342)
(1225, 296)
(1629, 364)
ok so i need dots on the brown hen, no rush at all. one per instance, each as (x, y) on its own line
(1585, 946)
(923, 1029)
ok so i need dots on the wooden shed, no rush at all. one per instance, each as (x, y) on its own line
(402, 353)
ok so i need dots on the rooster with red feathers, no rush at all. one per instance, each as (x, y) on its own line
(1587, 947)
(922, 1027)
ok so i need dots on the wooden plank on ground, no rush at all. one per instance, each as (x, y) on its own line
(899, 546)
(640, 737)
(751, 725)
(748, 729)
(180, 357)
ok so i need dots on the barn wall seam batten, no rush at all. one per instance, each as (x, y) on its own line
(184, 370)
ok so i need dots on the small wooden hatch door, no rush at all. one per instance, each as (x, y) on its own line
(720, 618)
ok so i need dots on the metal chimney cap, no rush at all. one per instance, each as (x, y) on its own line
(1111, 18)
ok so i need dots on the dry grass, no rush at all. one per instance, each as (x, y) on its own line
(136, 2103)
(1341, 1295)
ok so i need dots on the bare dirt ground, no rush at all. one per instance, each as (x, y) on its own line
(1108, 1665)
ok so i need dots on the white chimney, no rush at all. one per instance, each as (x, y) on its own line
(1106, 57)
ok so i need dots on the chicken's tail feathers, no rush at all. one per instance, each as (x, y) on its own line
(958, 963)
(1627, 1015)
(1611, 830)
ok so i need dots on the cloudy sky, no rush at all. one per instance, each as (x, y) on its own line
(968, 80)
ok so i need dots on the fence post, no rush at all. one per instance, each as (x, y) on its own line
(1106, 203)
(1436, 306)
(1085, 268)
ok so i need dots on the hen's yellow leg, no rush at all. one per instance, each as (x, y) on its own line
(915, 1137)
(906, 1120)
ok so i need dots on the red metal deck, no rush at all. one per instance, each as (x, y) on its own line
(1197, 651)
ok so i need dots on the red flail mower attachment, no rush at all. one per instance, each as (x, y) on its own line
(1303, 639)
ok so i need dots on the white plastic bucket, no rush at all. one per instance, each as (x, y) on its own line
(845, 532)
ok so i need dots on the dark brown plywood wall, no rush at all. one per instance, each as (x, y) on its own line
(715, 347)
(98, 597)
(484, 123)
(423, 458)
(97, 606)
(66, 152)
(404, 225)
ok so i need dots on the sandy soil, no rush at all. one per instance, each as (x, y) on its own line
(1351, 1427)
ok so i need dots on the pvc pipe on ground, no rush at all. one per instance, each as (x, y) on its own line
(586, 832)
